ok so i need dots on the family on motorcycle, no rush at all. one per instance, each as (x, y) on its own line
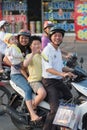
(44, 70)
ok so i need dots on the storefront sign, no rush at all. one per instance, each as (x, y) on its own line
(14, 6)
(56, 16)
(81, 19)
(61, 4)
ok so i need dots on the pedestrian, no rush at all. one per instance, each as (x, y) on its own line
(3, 26)
(53, 72)
(46, 28)
(19, 79)
(33, 62)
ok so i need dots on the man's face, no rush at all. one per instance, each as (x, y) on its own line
(47, 30)
(56, 38)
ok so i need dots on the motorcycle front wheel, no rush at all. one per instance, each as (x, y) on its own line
(4, 98)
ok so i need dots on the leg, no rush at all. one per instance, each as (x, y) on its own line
(53, 99)
(65, 90)
(34, 116)
(40, 91)
(20, 81)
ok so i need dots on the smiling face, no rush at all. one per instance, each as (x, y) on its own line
(36, 44)
(24, 40)
(56, 39)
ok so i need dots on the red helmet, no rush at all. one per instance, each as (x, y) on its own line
(48, 24)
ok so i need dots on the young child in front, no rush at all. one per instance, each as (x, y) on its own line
(13, 53)
(34, 63)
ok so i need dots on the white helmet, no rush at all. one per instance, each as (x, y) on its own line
(3, 22)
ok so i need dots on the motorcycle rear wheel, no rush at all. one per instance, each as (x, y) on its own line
(4, 98)
(24, 114)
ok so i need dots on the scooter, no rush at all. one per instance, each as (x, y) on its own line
(19, 113)
(5, 95)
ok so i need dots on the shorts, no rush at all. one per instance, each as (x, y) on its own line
(36, 85)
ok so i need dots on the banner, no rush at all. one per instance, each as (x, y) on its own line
(81, 19)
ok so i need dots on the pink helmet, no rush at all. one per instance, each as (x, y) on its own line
(48, 24)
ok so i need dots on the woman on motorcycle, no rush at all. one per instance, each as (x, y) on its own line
(53, 73)
(19, 79)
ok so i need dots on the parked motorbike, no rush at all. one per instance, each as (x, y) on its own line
(4, 96)
(18, 110)
(4, 91)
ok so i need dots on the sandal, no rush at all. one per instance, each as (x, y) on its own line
(36, 123)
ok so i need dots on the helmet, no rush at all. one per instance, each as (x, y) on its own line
(48, 24)
(3, 22)
(55, 29)
(24, 32)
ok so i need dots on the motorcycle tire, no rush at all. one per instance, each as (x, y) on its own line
(4, 98)
(16, 105)
(24, 114)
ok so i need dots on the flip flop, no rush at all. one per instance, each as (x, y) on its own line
(36, 123)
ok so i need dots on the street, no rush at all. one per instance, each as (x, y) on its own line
(81, 49)
(6, 124)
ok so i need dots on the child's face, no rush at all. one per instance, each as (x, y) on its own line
(12, 40)
(37, 45)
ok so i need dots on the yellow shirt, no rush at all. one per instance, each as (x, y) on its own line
(35, 68)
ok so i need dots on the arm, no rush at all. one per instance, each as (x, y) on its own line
(27, 60)
(63, 74)
(6, 60)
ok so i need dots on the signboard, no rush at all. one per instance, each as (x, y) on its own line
(14, 6)
(81, 19)
(17, 22)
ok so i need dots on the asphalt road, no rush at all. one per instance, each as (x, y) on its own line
(80, 49)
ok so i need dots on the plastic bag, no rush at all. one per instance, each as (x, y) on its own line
(67, 116)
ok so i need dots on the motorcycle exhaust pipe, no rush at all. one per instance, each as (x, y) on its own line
(10, 111)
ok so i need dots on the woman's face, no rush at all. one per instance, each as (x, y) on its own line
(23, 40)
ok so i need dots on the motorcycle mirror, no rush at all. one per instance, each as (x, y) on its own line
(81, 61)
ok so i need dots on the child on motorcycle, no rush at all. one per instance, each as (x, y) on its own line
(33, 62)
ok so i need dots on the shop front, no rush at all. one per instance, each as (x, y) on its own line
(15, 13)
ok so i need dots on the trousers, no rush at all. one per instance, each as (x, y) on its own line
(55, 89)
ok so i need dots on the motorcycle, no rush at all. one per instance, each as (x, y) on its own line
(4, 96)
(18, 110)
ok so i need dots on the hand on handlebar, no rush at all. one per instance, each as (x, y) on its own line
(70, 75)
